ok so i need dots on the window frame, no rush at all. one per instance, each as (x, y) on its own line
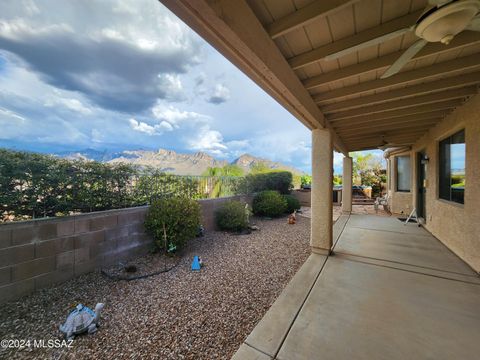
(439, 169)
(409, 173)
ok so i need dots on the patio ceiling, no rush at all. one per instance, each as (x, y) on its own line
(311, 56)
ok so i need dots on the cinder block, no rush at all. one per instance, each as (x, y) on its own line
(46, 230)
(106, 247)
(115, 233)
(85, 267)
(32, 268)
(82, 225)
(24, 235)
(126, 243)
(55, 277)
(97, 223)
(110, 221)
(88, 239)
(16, 290)
(5, 275)
(5, 237)
(17, 254)
(54, 246)
(82, 255)
(65, 228)
(135, 229)
(65, 260)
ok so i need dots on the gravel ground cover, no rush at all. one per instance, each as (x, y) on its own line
(175, 315)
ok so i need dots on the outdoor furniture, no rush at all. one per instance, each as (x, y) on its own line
(381, 201)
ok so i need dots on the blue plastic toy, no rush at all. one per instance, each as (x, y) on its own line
(196, 264)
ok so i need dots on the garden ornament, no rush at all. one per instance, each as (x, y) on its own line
(81, 319)
(292, 218)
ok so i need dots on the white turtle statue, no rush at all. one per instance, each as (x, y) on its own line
(81, 319)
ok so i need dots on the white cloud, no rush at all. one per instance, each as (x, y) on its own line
(71, 104)
(219, 95)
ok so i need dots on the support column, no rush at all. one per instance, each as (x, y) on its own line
(347, 185)
(322, 192)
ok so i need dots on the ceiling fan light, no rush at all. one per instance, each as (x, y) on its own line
(449, 20)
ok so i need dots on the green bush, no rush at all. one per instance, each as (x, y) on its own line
(232, 216)
(280, 181)
(292, 203)
(269, 203)
(181, 217)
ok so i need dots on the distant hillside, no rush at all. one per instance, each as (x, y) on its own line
(247, 162)
(173, 162)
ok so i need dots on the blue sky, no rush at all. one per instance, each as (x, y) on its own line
(127, 74)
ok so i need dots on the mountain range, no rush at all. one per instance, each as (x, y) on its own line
(172, 162)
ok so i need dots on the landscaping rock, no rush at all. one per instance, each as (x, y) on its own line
(179, 314)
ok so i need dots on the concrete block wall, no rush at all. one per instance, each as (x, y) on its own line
(209, 206)
(304, 196)
(38, 253)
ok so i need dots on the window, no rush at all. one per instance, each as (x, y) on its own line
(452, 168)
(403, 173)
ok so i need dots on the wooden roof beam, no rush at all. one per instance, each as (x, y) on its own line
(365, 38)
(389, 128)
(399, 120)
(428, 108)
(465, 38)
(406, 103)
(463, 63)
(386, 133)
(410, 91)
(313, 11)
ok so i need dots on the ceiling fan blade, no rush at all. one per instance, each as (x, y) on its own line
(438, 3)
(367, 44)
(405, 58)
(474, 24)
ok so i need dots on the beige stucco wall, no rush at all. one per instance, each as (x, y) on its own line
(456, 225)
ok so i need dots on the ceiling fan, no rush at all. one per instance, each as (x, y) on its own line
(441, 21)
(386, 144)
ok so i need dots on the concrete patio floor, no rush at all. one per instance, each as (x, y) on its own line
(390, 291)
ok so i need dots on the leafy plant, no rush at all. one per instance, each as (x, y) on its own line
(269, 203)
(177, 218)
(280, 181)
(292, 203)
(232, 216)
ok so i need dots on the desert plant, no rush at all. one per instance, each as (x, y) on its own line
(269, 203)
(232, 216)
(292, 203)
(176, 217)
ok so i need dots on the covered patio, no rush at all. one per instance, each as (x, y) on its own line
(360, 76)
(389, 291)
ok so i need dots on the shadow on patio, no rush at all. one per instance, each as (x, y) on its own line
(391, 291)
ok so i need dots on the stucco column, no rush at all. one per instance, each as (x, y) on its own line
(322, 191)
(347, 185)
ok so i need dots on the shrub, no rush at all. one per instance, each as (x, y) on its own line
(280, 181)
(181, 217)
(292, 203)
(232, 216)
(269, 203)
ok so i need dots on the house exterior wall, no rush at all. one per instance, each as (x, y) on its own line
(456, 225)
(38, 253)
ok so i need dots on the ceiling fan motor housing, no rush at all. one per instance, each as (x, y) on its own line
(447, 21)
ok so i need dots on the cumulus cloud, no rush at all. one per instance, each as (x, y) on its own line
(157, 129)
(219, 95)
(120, 60)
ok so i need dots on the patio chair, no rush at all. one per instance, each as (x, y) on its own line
(382, 201)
